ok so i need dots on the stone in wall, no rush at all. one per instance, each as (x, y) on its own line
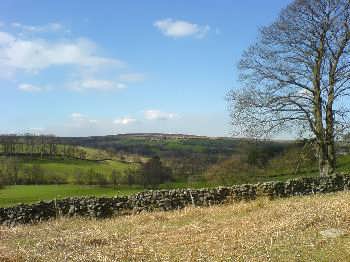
(166, 200)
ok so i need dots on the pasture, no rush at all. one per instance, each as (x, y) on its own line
(281, 230)
(12, 195)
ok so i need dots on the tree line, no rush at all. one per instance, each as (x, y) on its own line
(41, 145)
(149, 175)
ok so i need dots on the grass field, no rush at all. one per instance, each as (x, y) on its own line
(262, 230)
(98, 160)
(67, 169)
(68, 166)
(12, 195)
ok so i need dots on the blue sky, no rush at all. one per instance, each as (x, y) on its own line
(80, 68)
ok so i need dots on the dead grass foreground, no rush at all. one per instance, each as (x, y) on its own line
(261, 230)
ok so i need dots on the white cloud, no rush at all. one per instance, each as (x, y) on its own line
(179, 28)
(29, 88)
(34, 131)
(87, 70)
(96, 84)
(124, 121)
(80, 120)
(34, 55)
(77, 116)
(6, 38)
(132, 77)
(51, 27)
(159, 115)
(37, 129)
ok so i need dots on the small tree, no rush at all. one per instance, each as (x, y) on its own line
(100, 179)
(90, 177)
(133, 176)
(37, 174)
(154, 173)
(78, 178)
(10, 167)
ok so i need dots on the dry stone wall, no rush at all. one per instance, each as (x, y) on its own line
(165, 200)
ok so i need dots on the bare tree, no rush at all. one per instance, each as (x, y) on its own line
(297, 76)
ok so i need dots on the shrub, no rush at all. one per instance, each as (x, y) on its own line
(154, 173)
(100, 179)
(78, 178)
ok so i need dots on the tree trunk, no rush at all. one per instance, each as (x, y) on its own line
(318, 113)
(323, 164)
(324, 167)
(326, 157)
(330, 116)
(332, 157)
(331, 154)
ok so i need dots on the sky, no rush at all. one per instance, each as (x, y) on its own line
(85, 68)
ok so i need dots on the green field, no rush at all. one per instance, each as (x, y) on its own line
(69, 167)
(66, 170)
(12, 195)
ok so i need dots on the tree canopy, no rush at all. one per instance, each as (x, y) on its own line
(296, 77)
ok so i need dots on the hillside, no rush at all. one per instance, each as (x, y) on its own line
(293, 229)
(191, 158)
(168, 145)
(65, 164)
(188, 156)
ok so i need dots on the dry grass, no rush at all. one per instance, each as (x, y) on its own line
(262, 230)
